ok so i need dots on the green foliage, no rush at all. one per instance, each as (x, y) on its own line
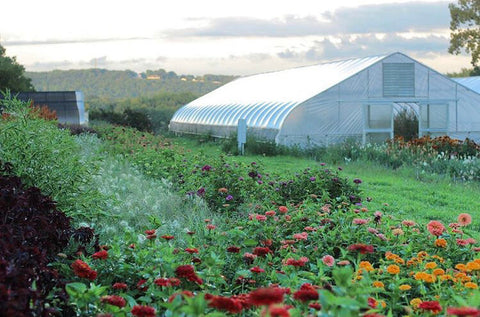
(114, 84)
(46, 157)
(464, 23)
(12, 74)
(223, 185)
(130, 118)
(405, 125)
(159, 109)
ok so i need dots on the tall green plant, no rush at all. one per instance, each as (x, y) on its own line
(46, 157)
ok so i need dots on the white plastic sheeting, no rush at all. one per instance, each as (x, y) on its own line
(329, 103)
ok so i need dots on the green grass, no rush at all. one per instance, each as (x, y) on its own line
(408, 193)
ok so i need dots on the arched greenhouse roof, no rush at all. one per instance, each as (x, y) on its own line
(265, 100)
(472, 83)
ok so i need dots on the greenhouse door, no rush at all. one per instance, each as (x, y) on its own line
(378, 123)
(433, 119)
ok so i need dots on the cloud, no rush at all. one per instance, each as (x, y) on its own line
(366, 45)
(382, 18)
(61, 41)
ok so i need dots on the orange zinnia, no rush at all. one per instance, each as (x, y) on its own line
(393, 269)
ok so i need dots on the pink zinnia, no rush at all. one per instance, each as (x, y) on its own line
(359, 221)
(435, 227)
(261, 217)
(300, 236)
(464, 219)
(328, 260)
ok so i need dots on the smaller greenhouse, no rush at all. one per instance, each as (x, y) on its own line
(331, 102)
(68, 105)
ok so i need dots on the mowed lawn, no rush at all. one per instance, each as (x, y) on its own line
(409, 193)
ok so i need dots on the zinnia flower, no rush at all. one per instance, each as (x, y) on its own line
(464, 219)
(432, 306)
(82, 269)
(257, 270)
(362, 248)
(113, 300)
(393, 269)
(262, 251)
(103, 255)
(282, 209)
(233, 249)
(266, 296)
(119, 286)
(306, 293)
(143, 311)
(231, 305)
(435, 227)
(328, 260)
(167, 237)
(463, 311)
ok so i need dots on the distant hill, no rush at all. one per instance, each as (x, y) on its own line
(112, 84)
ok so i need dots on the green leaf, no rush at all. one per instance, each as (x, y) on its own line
(75, 288)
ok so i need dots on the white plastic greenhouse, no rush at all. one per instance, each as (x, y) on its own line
(331, 102)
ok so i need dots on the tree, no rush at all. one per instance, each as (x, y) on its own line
(12, 74)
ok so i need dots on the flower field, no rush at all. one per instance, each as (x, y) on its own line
(299, 243)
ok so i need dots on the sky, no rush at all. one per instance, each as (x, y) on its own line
(227, 37)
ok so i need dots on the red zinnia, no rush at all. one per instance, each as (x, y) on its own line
(150, 232)
(141, 286)
(257, 269)
(162, 282)
(167, 237)
(299, 262)
(432, 306)
(277, 311)
(231, 305)
(188, 272)
(261, 251)
(119, 286)
(113, 300)
(182, 293)
(316, 306)
(82, 269)
(174, 281)
(191, 250)
(184, 270)
(266, 296)
(143, 311)
(463, 311)
(233, 249)
(100, 255)
(305, 293)
(362, 248)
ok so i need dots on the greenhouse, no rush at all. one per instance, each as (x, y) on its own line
(331, 102)
(68, 105)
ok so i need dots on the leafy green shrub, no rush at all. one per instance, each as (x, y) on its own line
(129, 117)
(48, 158)
(405, 124)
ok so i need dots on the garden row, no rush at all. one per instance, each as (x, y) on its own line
(294, 244)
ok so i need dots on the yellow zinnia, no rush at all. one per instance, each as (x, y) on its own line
(378, 284)
(404, 287)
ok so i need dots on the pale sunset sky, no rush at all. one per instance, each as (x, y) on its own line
(220, 36)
